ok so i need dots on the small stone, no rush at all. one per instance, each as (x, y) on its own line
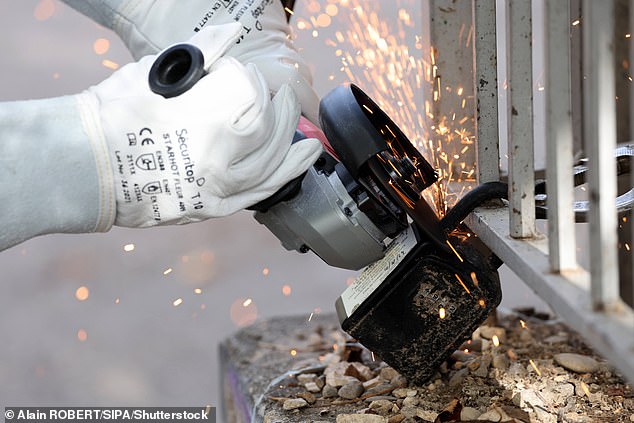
(573, 417)
(511, 413)
(473, 365)
(294, 403)
(329, 391)
(310, 398)
(500, 361)
(351, 390)
(360, 371)
(490, 415)
(312, 387)
(503, 416)
(409, 412)
(339, 380)
(544, 416)
(306, 377)
(472, 345)
(565, 389)
(398, 418)
(372, 382)
(380, 389)
(460, 355)
(517, 370)
(632, 418)
(469, 413)
(410, 402)
(400, 392)
(426, 415)
(399, 381)
(511, 354)
(577, 362)
(527, 397)
(483, 369)
(335, 374)
(556, 339)
(458, 377)
(381, 407)
(361, 418)
(381, 397)
(579, 388)
(388, 373)
(526, 336)
(488, 332)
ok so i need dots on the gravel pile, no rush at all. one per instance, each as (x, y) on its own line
(523, 368)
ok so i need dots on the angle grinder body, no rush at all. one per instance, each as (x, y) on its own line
(424, 288)
(421, 292)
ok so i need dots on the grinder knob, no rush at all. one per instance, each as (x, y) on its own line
(176, 70)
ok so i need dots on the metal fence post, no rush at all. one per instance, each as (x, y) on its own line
(485, 90)
(559, 141)
(520, 119)
(600, 140)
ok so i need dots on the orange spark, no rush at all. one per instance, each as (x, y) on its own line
(462, 283)
(455, 252)
(82, 293)
(535, 367)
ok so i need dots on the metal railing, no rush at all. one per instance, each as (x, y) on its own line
(589, 297)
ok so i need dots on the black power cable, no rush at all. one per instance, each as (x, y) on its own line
(474, 198)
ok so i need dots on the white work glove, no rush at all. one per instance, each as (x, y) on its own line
(148, 26)
(218, 148)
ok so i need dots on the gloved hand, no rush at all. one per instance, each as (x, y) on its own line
(215, 149)
(148, 26)
(118, 153)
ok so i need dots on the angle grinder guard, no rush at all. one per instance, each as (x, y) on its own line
(371, 145)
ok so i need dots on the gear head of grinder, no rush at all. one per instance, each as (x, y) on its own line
(361, 206)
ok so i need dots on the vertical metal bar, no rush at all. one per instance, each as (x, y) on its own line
(627, 278)
(485, 90)
(623, 135)
(520, 120)
(559, 143)
(451, 39)
(576, 83)
(600, 139)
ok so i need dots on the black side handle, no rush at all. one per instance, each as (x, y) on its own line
(176, 70)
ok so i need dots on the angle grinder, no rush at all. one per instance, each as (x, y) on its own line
(427, 284)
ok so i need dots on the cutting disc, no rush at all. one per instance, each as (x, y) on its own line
(370, 144)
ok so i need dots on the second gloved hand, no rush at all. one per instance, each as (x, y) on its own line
(215, 149)
(148, 26)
